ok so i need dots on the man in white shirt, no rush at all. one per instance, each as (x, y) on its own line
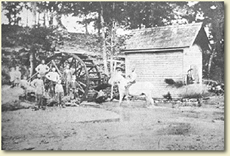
(42, 69)
(67, 78)
(17, 76)
(54, 77)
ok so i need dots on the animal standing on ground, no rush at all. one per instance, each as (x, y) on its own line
(136, 89)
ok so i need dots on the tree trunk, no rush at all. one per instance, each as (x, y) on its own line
(210, 62)
(9, 17)
(51, 18)
(34, 10)
(85, 25)
(10, 20)
(112, 41)
(113, 30)
(32, 63)
(104, 43)
(39, 14)
(47, 17)
(59, 22)
(27, 17)
(44, 19)
(104, 53)
(99, 23)
(86, 28)
(15, 19)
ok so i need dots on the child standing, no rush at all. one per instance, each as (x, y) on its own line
(24, 83)
(39, 90)
(59, 93)
(75, 86)
(17, 77)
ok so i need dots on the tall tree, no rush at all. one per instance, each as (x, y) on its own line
(104, 53)
(213, 18)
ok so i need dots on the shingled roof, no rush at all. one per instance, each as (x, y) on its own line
(174, 36)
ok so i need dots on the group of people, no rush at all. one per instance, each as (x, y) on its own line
(54, 79)
(48, 83)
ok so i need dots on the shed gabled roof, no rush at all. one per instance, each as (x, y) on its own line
(165, 37)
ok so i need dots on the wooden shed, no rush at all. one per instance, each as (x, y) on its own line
(167, 52)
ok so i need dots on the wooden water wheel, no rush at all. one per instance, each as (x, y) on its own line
(86, 72)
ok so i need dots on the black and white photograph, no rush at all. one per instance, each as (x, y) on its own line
(113, 76)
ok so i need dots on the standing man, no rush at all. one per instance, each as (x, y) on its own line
(42, 69)
(190, 77)
(67, 78)
(74, 86)
(39, 90)
(54, 77)
(17, 76)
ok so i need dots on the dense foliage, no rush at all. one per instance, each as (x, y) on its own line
(45, 37)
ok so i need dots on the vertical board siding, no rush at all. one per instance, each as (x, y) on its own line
(156, 67)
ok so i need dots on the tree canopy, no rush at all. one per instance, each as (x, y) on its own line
(106, 17)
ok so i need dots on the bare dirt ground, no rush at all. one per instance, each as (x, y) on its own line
(109, 127)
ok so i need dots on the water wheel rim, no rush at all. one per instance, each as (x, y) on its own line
(62, 58)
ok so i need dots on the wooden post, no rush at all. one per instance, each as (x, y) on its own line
(111, 65)
(56, 68)
(113, 70)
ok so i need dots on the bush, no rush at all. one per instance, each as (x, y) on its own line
(178, 84)
(194, 91)
(173, 83)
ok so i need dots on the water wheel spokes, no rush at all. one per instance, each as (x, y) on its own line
(78, 68)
